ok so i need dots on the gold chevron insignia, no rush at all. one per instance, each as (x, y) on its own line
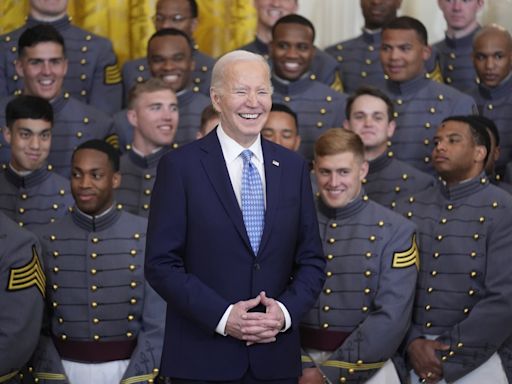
(407, 258)
(28, 275)
(112, 74)
(337, 83)
(113, 140)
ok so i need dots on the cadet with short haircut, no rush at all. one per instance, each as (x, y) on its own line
(282, 127)
(105, 322)
(370, 114)
(420, 103)
(492, 58)
(43, 65)
(153, 112)
(30, 192)
(463, 304)
(363, 312)
(317, 106)
(93, 76)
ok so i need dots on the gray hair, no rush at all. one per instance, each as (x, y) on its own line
(219, 69)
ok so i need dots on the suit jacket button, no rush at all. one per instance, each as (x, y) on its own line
(257, 267)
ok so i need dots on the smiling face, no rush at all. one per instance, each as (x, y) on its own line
(339, 177)
(492, 56)
(93, 181)
(378, 13)
(292, 50)
(370, 121)
(403, 54)
(155, 118)
(43, 68)
(243, 99)
(269, 11)
(456, 157)
(30, 141)
(170, 58)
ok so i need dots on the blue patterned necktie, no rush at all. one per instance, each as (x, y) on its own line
(253, 206)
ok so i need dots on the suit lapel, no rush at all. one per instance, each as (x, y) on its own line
(215, 167)
(273, 185)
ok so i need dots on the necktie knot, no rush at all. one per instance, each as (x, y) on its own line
(246, 155)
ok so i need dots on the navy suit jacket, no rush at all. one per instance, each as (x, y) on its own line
(199, 259)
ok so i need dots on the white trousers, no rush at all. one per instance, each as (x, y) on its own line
(386, 375)
(101, 373)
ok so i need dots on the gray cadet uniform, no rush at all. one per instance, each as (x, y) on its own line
(359, 61)
(137, 71)
(494, 103)
(34, 199)
(22, 300)
(388, 179)
(323, 67)
(317, 106)
(420, 106)
(464, 293)
(138, 177)
(363, 312)
(74, 123)
(101, 308)
(190, 103)
(454, 56)
(93, 75)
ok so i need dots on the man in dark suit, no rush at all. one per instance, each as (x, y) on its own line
(235, 296)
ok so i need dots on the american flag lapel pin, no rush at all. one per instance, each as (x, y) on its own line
(275, 162)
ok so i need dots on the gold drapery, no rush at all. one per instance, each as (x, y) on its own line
(223, 24)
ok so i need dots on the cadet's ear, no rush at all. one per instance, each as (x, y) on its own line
(480, 153)
(116, 180)
(7, 135)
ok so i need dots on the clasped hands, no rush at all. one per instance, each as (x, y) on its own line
(255, 327)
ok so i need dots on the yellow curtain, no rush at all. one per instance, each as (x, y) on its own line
(223, 24)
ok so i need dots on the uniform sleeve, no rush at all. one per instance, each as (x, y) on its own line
(22, 301)
(378, 337)
(464, 105)
(46, 362)
(487, 326)
(107, 89)
(145, 359)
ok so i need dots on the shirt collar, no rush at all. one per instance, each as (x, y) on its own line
(231, 149)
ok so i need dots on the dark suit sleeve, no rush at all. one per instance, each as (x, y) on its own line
(309, 276)
(165, 250)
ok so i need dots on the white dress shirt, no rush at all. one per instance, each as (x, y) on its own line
(231, 151)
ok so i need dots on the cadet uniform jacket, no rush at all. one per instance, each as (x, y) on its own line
(464, 290)
(98, 300)
(74, 123)
(22, 300)
(389, 178)
(455, 57)
(359, 61)
(93, 75)
(34, 199)
(368, 294)
(318, 107)
(137, 70)
(138, 177)
(420, 106)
